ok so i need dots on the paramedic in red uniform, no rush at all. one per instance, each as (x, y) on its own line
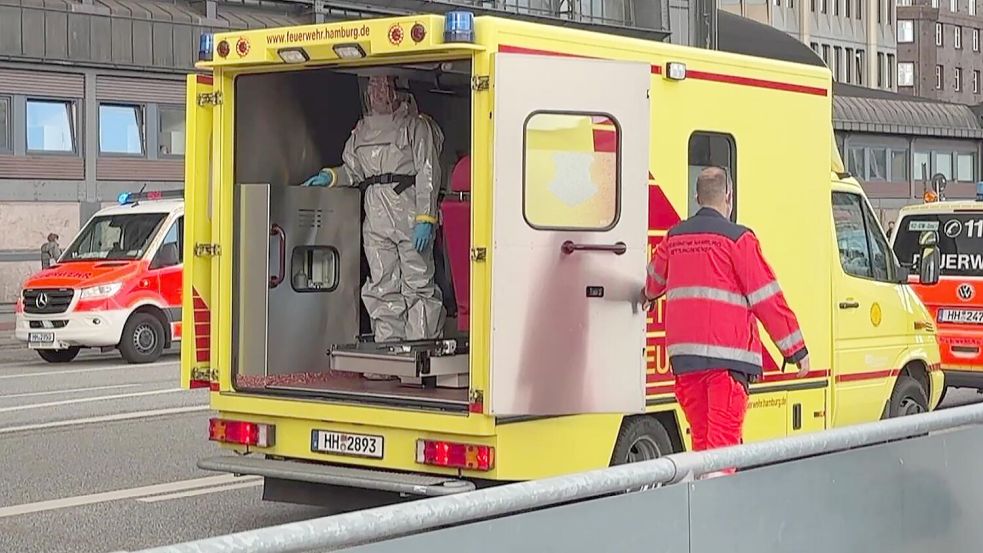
(717, 282)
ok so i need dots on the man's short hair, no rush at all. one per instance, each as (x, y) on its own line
(712, 185)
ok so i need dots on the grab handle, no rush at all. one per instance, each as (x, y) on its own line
(618, 248)
(276, 230)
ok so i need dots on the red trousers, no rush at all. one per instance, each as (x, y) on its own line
(714, 404)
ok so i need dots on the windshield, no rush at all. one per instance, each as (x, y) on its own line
(960, 241)
(115, 237)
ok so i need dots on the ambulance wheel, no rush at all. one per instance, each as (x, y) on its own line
(59, 355)
(143, 339)
(908, 398)
(641, 439)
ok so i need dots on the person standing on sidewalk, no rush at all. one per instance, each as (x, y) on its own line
(50, 251)
(717, 283)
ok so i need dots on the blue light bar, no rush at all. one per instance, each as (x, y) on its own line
(979, 191)
(459, 26)
(205, 47)
(134, 197)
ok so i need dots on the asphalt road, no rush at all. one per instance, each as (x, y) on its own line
(98, 456)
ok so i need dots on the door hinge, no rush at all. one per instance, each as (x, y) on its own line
(204, 373)
(478, 254)
(210, 98)
(479, 83)
(208, 250)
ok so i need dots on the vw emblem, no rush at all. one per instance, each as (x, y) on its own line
(953, 228)
(965, 291)
(41, 301)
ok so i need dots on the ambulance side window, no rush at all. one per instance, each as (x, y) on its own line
(851, 235)
(711, 149)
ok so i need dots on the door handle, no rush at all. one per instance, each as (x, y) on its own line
(849, 304)
(276, 279)
(617, 248)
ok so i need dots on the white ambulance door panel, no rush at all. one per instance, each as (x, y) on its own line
(570, 220)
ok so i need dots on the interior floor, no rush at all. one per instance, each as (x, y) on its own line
(353, 385)
(324, 106)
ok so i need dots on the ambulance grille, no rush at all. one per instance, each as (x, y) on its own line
(46, 301)
(309, 218)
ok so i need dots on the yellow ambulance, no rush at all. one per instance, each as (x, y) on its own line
(567, 155)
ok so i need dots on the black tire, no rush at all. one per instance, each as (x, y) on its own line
(142, 340)
(641, 439)
(908, 398)
(942, 397)
(59, 355)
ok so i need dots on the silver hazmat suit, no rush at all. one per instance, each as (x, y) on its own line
(400, 295)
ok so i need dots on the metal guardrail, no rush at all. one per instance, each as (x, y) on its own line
(372, 525)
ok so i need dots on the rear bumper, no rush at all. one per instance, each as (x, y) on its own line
(349, 477)
(963, 379)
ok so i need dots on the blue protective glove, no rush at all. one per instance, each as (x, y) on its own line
(422, 234)
(323, 178)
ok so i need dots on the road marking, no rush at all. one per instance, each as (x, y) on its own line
(89, 400)
(97, 369)
(105, 418)
(104, 497)
(70, 391)
(249, 482)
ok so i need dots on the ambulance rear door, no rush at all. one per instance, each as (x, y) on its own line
(570, 220)
(198, 245)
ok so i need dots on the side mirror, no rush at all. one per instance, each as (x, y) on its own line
(931, 260)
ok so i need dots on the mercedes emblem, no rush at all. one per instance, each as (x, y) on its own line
(41, 301)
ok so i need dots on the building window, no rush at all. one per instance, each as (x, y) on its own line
(860, 7)
(836, 7)
(51, 126)
(966, 167)
(904, 2)
(880, 11)
(716, 149)
(880, 70)
(846, 8)
(976, 40)
(890, 11)
(959, 79)
(938, 34)
(5, 124)
(942, 163)
(976, 81)
(972, 7)
(921, 162)
(958, 37)
(935, 4)
(860, 67)
(825, 5)
(837, 62)
(899, 166)
(815, 47)
(121, 129)
(954, 5)
(171, 138)
(826, 54)
(812, 4)
(906, 74)
(906, 31)
(586, 196)
(938, 77)
(849, 65)
(891, 64)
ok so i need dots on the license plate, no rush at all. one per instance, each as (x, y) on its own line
(961, 316)
(41, 339)
(340, 443)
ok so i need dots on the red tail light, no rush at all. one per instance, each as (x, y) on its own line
(462, 456)
(241, 432)
(200, 384)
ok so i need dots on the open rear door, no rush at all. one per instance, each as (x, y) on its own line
(198, 247)
(570, 232)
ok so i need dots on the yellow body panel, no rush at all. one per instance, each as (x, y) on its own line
(783, 193)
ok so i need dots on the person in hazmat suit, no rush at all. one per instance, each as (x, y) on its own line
(393, 156)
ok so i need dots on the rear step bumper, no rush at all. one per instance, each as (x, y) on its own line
(396, 482)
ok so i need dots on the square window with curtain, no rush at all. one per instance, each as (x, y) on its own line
(121, 129)
(171, 135)
(5, 124)
(711, 149)
(942, 163)
(876, 164)
(906, 31)
(571, 177)
(856, 163)
(899, 166)
(51, 126)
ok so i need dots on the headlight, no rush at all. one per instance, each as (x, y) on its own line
(101, 291)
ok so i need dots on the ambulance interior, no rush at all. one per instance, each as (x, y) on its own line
(299, 324)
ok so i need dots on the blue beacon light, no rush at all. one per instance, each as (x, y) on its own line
(123, 198)
(205, 46)
(979, 191)
(459, 26)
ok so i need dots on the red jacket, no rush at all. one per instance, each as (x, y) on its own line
(716, 283)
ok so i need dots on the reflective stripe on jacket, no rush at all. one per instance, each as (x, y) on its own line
(717, 282)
